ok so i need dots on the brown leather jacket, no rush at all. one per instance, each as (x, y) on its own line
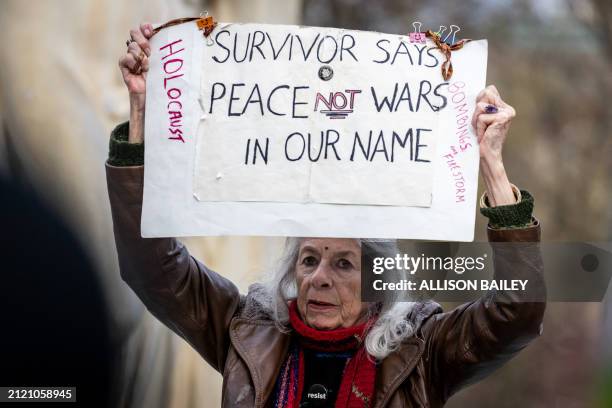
(238, 338)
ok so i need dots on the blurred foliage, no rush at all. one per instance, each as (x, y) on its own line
(604, 399)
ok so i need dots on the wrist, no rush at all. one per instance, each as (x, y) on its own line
(137, 102)
(499, 189)
(137, 114)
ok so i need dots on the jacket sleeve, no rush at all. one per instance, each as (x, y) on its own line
(467, 343)
(193, 301)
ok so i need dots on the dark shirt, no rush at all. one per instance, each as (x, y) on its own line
(322, 375)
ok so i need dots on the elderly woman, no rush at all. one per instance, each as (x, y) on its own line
(307, 339)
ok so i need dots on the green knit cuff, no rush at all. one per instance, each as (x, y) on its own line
(510, 216)
(120, 151)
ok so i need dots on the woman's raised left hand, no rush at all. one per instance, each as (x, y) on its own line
(491, 121)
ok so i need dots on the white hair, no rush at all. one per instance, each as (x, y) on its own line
(390, 328)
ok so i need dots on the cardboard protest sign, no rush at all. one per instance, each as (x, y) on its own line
(306, 131)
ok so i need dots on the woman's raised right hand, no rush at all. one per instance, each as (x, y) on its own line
(134, 65)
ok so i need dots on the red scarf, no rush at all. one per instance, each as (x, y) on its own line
(357, 385)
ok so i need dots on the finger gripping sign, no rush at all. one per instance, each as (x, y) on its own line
(306, 131)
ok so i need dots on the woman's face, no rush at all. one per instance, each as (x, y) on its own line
(328, 275)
